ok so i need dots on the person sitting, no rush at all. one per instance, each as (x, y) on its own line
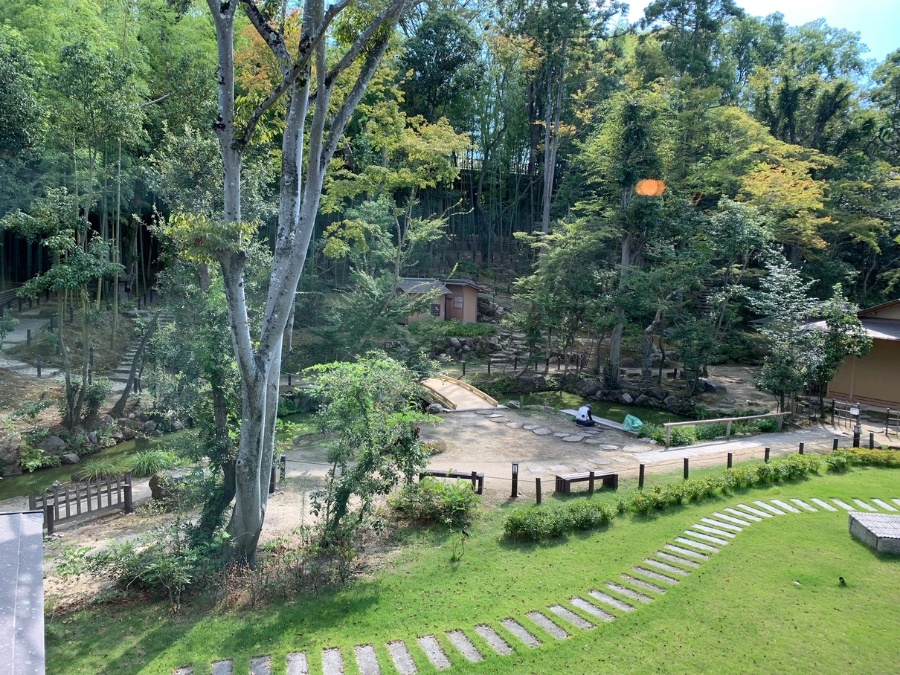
(583, 417)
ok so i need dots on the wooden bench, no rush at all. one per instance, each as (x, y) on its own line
(564, 482)
(476, 478)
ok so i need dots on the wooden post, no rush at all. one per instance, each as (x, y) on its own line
(834, 445)
(887, 422)
(668, 431)
(489, 366)
(730, 460)
(687, 468)
(832, 412)
(801, 448)
(515, 480)
(475, 483)
(91, 358)
(283, 471)
(537, 489)
(871, 440)
(28, 337)
(768, 450)
(641, 477)
(780, 422)
(48, 518)
(129, 503)
(591, 483)
(289, 379)
(464, 368)
(728, 430)
(272, 481)
(39, 368)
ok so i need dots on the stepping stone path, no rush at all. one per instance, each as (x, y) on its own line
(433, 651)
(497, 643)
(548, 625)
(367, 660)
(461, 641)
(573, 439)
(541, 431)
(666, 567)
(514, 425)
(402, 658)
(824, 505)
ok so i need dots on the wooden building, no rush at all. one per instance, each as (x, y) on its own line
(875, 377)
(456, 298)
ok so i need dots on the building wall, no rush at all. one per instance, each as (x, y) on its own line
(892, 312)
(874, 378)
(469, 311)
(427, 315)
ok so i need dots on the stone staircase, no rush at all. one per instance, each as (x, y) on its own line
(119, 376)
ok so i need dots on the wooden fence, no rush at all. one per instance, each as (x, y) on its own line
(71, 500)
(727, 420)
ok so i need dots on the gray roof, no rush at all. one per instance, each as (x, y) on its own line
(881, 329)
(463, 282)
(22, 593)
(878, 329)
(422, 286)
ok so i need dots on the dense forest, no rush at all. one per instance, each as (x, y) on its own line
(656, 185)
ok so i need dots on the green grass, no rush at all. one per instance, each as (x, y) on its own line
(740, 613)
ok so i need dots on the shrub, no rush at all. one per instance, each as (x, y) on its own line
(31, 458)
(589, 515)
(536, 523)
(882, 457)
(710, 431)
(434, 500)
(839, 460)
(148, 462)
(94, 469)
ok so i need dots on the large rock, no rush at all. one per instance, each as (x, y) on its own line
(161, 483)
(106, 420)
(642, 400)
(627, 362)
(454, 342)
(434, 409)
(69, 458)
(515, 405)
(658, 394)
(92, 438)
(53, 445)
(127, 433)
(670, 402)
(625, 398)
(525, 383)
(10, 444)
(713, 387)
(149, 426)
(587, 387)
(177, 426)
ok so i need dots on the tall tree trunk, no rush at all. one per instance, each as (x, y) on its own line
(551, 139)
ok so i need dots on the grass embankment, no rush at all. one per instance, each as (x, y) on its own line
(741, 612)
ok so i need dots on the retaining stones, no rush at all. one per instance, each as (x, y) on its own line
(880, 531)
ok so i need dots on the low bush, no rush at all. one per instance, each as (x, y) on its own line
(838, 461)
(148, 462)
(94, 469)
(707, 432)
(434, 500)
(865, 457)
(32, 458)
(549, 522)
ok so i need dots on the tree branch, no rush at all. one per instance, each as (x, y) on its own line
(308, 43)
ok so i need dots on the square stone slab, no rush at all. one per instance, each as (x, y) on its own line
(880, 531)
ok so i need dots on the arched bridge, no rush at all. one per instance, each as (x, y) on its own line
(457, 395)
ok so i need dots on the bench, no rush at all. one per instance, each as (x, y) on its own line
(476, 478)
(564, 482)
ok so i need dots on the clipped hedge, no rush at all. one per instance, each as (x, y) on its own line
(545, 522)
(554, 521)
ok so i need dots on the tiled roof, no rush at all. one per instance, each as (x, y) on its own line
(422, 286)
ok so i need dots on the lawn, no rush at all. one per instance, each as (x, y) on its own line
(741, 612)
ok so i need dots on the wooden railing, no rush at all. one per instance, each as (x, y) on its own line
(727, 420)
(71, 500)
(474, 390)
